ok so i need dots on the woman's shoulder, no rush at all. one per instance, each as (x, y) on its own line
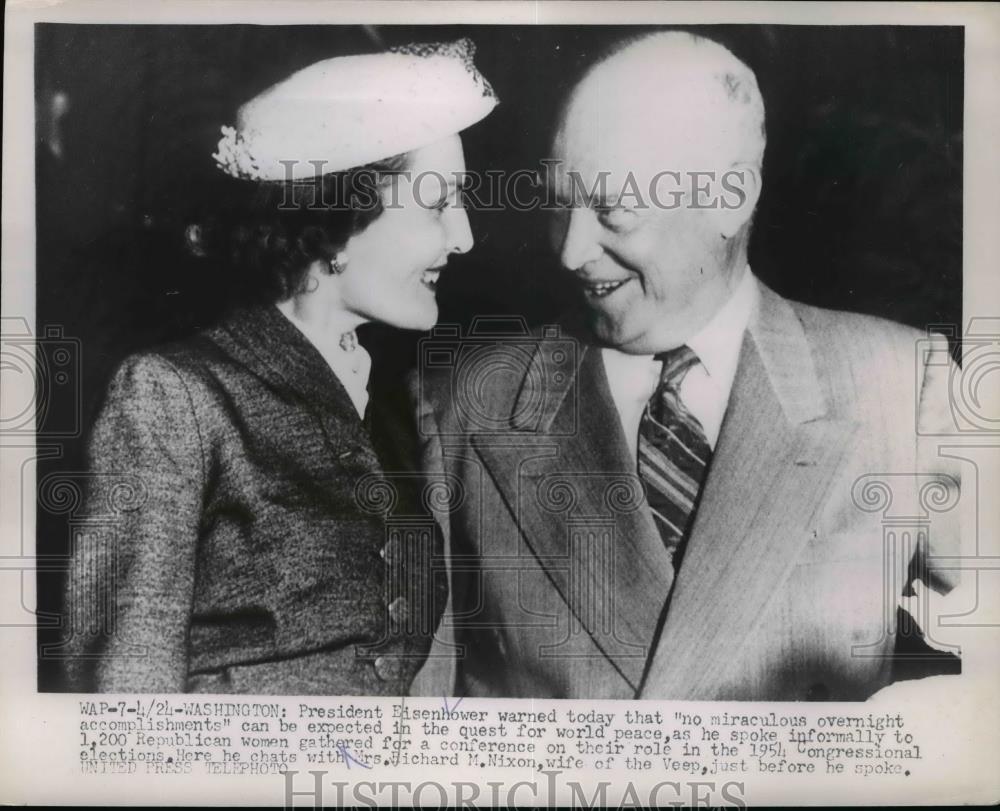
(212, 371)
(182, 359)
(187, 367)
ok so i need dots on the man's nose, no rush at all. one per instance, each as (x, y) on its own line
(581, 241)
(459, 233)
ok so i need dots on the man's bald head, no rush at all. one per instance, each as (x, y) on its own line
(670, 98)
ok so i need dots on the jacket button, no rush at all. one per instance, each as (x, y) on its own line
(818, 692)
(501, 644)
(399, 610)
(390, 552)
(388, 668)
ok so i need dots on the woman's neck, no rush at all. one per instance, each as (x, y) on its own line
(322, 322)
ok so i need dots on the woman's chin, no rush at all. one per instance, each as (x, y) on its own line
(415, 318)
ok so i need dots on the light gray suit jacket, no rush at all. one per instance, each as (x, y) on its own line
(794, 565)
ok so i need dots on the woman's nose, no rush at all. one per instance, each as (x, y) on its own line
(459, 233)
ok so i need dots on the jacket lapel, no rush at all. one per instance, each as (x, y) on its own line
(774, 461)
(268, 343)
(577, 501)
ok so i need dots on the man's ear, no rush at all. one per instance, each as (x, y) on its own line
(740, 187)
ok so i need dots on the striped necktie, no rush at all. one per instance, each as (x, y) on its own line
(673, 453)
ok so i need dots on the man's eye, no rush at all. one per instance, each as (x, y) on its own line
(616, 216)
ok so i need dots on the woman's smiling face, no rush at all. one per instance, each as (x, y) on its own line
(394, 264)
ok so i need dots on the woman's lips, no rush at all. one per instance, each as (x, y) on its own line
(430, 277)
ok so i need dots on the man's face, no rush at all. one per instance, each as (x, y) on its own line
(653, 270)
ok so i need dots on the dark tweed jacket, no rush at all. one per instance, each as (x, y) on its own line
(239, 536)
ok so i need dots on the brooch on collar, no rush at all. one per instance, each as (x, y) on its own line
(349, 341)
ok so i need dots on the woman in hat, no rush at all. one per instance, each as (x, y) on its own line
(243, 543)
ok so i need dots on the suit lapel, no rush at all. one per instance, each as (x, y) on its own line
(601, 551)
(270, 345)
(773, 464)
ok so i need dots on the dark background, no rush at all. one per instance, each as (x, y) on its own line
(861, 209)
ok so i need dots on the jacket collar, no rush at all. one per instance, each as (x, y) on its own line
(262, 338)
(564, 469)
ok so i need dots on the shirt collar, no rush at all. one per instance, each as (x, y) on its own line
(717, 346)
(718, 343)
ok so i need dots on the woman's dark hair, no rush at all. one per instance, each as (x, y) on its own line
(268, 233)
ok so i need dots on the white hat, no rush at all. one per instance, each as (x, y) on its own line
(352, 110)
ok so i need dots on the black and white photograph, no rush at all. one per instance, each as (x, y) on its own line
(409, 368)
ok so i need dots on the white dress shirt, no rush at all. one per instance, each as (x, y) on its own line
(706, 386)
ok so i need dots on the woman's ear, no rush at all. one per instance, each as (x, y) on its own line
(316, 274)
(740, 187)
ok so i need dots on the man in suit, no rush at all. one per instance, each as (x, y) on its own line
(683, 501)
